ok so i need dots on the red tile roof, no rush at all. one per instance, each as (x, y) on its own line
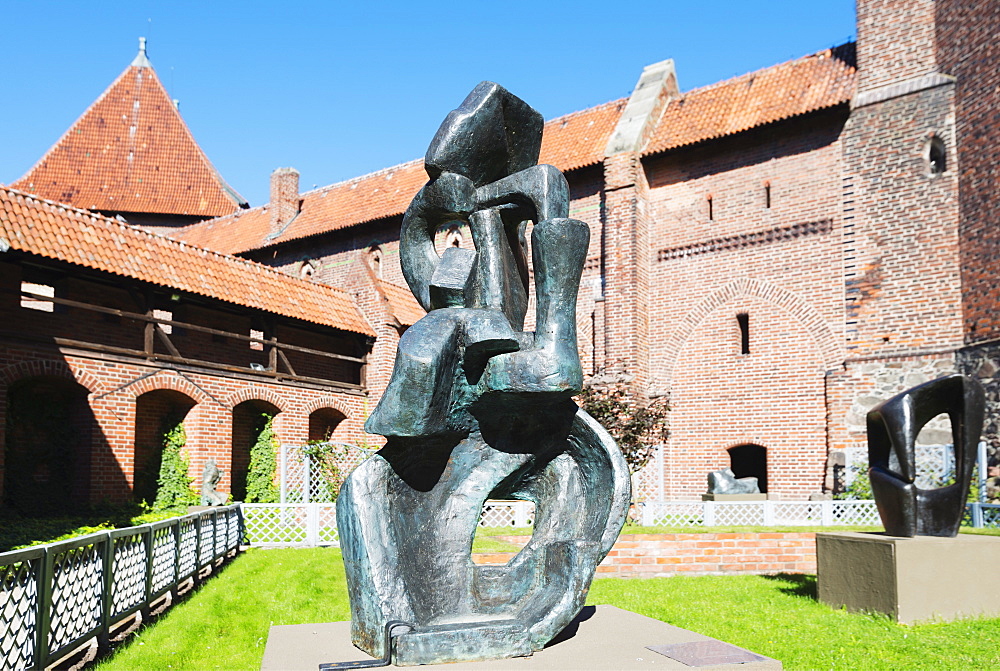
(815, 82)
(578, 139)
(131, 152)
(55, 231)
(402, 304)
(569, 142)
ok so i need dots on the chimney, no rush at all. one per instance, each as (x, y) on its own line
(284, 199)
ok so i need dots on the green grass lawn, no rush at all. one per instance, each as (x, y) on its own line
(224, 624)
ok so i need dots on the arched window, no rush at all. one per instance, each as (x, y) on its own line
(454, 237)
(937, 156)
(375, 260)
(306, 270)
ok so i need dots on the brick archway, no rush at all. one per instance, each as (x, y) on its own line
(167, 380)
(53, 367)
(255, 393)
(826, 343)
(328, 402)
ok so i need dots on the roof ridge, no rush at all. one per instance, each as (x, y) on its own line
(585, 110)
(367, 175)
(187, 246)
(230, 192)
(828, 53)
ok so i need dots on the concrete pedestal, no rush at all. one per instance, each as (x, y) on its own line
(601, 637)
(734, 497)
(918, 579)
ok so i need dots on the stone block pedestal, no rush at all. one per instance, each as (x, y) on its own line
(918, 579)
(600, 637)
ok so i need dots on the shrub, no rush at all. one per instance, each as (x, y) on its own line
(263, 465)
(637, 428)
(173, 490)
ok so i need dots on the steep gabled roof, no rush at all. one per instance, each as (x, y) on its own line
(808, 84)
(51, 230)
(568, 142)
(403, 306)
(132, 152)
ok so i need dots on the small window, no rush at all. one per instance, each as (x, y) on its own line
(767, 195)
(167, 315)
(743, 321)
(454, 237)
(306, 270)
(937, 156)
(711, 209)
(33, 303)
(375, 261)
(257, 344)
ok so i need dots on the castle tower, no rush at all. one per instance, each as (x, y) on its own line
(131, 154)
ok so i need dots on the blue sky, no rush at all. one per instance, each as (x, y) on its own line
(338, 89)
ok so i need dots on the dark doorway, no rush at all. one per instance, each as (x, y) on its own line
(748, 461)
(155, 413)
(249, 419)
(323, 422)
(49, 438)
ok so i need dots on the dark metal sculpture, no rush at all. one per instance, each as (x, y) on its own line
(210, 477)
(893, 426)
(477, 408)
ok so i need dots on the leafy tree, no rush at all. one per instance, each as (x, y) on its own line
(173, 484)
(637, 427)
(263, 465)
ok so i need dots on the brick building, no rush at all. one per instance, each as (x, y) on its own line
(130, 155)
(111, 329)
(775, 253)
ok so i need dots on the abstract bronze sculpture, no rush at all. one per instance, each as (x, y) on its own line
(478, 409)
(893, 426)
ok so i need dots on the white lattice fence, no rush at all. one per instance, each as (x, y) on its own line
(311, 473)
(290, 524)
(507, 514)
(759, 513)
(647, 482)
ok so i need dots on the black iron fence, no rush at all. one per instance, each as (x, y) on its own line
(57, 598)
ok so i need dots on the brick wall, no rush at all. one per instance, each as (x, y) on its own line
(968, 49)
(895, 41)
(653, 555)
(769, 249)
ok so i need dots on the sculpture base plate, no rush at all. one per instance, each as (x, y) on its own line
(734, 497)
(919, 579)
(601, 637)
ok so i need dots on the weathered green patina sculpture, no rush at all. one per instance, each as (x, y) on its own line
(478, 409)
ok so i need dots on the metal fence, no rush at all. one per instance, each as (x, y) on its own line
(56, 598)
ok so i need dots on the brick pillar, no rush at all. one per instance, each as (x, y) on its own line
(626, 297)
(284, 203)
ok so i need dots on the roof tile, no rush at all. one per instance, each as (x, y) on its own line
(131, 151)
(807, 84)
(569, 142)
(44, 228)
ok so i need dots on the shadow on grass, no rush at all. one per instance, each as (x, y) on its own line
(798, 584)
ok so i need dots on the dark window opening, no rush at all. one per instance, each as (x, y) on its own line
(937, 156)
(743, 321)
(750, 461)
(711, 210)
(767, 195)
